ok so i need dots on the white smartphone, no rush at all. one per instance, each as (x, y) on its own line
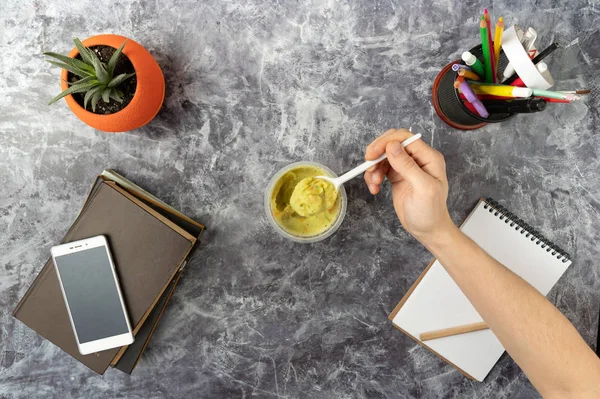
(90, 287)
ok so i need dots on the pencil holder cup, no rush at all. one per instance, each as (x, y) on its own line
(451, 109)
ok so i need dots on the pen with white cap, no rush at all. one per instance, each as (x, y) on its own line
(474, 63)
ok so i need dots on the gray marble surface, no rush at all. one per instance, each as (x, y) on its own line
(252, 86)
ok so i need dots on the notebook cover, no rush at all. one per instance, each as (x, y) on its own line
(147, 251)
(189, 225)
(134, 351)
(543, 282)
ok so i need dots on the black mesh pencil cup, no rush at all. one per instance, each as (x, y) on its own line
(448, 104)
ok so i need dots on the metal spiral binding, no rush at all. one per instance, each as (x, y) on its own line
(523, 228)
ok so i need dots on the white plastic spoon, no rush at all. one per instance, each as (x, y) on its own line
(338, 181)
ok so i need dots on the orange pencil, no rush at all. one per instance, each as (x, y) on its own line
(468, 74)
(458, 81)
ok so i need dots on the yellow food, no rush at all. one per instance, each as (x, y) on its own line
(312, 196)
(313, 223)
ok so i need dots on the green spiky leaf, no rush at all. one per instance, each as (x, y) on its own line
(73, 70)
(75, 63)
(96, 78)
(113, 59)
(90, 93)
(83, 51)
(117, 80)
(106, 95)
(101, 72)
(95, 99)
(116, 95)
(73, 89)
(84, 80)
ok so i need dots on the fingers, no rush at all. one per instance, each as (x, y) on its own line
(378, 174)
(377, 147)
(375, 176)
(373, 188)
(405, 165)
(427, 158)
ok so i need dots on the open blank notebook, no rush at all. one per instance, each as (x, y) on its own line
(435, 302)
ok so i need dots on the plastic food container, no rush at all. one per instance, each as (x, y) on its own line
(300, 238)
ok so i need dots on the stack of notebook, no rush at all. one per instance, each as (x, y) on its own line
(150, 243)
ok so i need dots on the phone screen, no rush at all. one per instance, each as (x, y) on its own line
(92, 294)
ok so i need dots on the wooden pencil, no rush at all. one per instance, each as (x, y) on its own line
(488, 24)
(485, 47)
(468, 74)
(498, 41)
(448, 332)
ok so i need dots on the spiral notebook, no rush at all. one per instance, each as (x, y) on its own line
(435, 301)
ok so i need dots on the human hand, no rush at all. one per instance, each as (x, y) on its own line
(419, 183)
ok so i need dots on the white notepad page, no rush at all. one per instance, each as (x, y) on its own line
(438, 303)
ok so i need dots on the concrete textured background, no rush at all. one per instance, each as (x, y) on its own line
(252, 86)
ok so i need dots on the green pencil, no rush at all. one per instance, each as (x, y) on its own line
(553, 94)
(485, 47)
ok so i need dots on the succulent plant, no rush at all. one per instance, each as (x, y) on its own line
(96, 78)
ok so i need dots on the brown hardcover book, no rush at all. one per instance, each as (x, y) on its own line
(133, 352)
(189, 225)
(148, 250)
(194, 228)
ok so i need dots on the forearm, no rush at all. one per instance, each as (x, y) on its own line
(536, 335)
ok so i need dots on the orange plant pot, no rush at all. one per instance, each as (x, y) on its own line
(149, 93)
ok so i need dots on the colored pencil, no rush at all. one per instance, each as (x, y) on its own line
(577, 92)
(448, 332)
(519, 83)
(472, 98)
(487, 97)
(458, 81)
(468, 74)
(553, 94)
(488, 23)
(498, 41)
(554, 100)
(500, 90)
(470, 107)
(485, 46)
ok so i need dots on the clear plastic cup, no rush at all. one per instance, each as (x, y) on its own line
(298, 238)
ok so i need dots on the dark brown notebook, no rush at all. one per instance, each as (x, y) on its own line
(148, 250)
(133, 352)
(189, 225)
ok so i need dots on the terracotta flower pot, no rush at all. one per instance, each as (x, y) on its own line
(149, 93)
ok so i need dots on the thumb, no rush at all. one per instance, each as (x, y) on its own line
(404, 164)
